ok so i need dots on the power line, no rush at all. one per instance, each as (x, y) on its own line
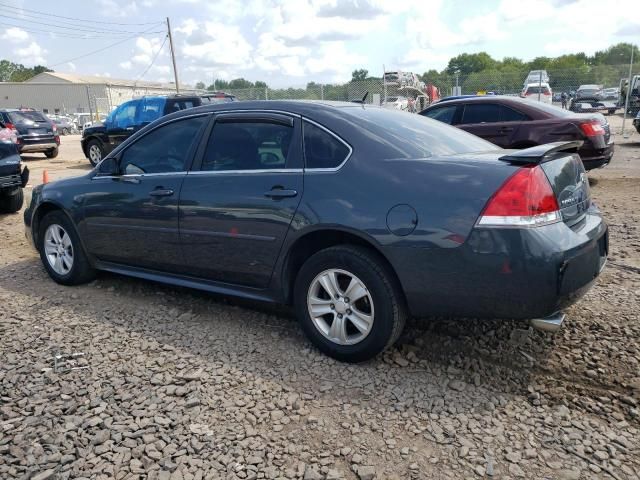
(154, 59)
(76, 19)
(76, 29)
(100, 49)
(85, 36)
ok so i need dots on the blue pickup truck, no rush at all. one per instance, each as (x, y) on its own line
(129, 117)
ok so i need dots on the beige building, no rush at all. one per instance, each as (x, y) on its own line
(54, 92)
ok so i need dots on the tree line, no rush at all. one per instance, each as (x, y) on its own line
(16, 72)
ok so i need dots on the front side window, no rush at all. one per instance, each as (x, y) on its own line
(442, 114)
(163, 150)
(481, 113)
(321, 149)
(125, 115)
(247, 145)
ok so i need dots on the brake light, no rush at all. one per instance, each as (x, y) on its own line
(526, 199)
(592, 128)
(10, 126)
(57, 139)
(54, 127)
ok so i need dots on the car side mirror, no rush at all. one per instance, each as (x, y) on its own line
(109, 167)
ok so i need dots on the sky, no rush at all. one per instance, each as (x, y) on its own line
(292, 42)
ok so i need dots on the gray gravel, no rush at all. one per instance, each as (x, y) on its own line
(176, 384)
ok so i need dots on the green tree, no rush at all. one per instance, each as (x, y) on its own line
(359, 75)
(240, 83)
(260, 84)
(200, 86)
(470, 62)
(617, 54)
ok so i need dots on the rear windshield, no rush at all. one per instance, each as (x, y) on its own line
(414, 136)
(587, 92)
(26, 118)
(543, 90)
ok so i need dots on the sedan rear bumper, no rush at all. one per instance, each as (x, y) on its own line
(36, 147)
(596, 157)
(505, 273)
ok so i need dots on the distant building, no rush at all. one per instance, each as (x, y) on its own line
(54, 92)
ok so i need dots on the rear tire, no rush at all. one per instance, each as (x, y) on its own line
(376, 296)
(61, 252)
(12, 202)
(53, 153)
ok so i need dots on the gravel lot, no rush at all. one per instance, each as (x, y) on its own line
(177, 384)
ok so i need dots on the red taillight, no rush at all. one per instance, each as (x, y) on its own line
(526, 199)
(592, 128)
(57, 139)
(10, 126)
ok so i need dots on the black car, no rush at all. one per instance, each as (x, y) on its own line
(356, 215)
(13, 178)
(98, 140)
(35, 132)
(636, 122)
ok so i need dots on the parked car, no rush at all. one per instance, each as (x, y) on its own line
(636, 122)
(539, 92)
(536, 76)
(356, 215)
(589, 91)
(34, 131)
(129, 117)
(13, 177)
(610, 94)
(64, 125)
(634, 94)
(396, 103)
(514, 123)
(402, 79)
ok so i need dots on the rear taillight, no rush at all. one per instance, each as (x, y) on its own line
(526, 199)
(10, 126)
(592, 128)
(57, 139)
(54, 127)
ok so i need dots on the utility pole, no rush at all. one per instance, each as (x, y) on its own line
(173, 56)
(629, 88)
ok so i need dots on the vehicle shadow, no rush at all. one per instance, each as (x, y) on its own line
(438, 364)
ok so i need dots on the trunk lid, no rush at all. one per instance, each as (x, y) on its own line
(570, 184)
(31, 124)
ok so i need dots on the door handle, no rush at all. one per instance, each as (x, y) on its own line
(129, 129)
(161, 192)
(276, 193)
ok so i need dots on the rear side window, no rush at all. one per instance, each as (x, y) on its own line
(251, 145)
(481, 113)
(125, 115)
(511, 115)
(26, 118)
(321, 149)
(442, 114)
(164, 150)
(151, 109)
(181, 104)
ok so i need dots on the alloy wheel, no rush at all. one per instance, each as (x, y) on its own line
(340, 306)
(58, 249)
(95, 154)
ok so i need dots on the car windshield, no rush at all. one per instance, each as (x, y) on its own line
(414, 136)
(587, 92)
(544, 90)
(26, 118)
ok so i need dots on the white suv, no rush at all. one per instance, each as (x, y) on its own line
(538, 91)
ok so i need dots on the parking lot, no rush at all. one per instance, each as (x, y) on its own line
(178, 384)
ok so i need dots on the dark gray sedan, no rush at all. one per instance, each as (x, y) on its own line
(356, 215)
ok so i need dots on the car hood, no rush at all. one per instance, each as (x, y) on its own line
(97, 128)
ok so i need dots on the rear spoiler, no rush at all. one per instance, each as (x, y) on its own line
(539, 153)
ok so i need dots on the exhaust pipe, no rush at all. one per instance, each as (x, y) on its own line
(552, 323)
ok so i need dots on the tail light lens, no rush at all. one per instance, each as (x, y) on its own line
(57, 139)
(54, 127)
(592, 128)
(10, 126)
(526, 199)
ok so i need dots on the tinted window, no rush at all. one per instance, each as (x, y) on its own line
(481, 113)
(511, 115)
(247, 146)
(538, 89)
(151, 109)
(442, 114)
(125, 115)
(321, 149)
(176, 105)
(163, 150)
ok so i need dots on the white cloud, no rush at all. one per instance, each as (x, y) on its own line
(71, 66)
(15, 35)
(215, 44)
(31, 54)
(113, 8)
(126, 65)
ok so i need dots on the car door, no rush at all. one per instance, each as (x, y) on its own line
(122, 124)
(484, 119)
(236, 205)
(132, 217)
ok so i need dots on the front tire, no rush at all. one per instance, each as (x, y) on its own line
(348, 303)
(95, 152)
(53, 153)
(61, 251)
(12, 202)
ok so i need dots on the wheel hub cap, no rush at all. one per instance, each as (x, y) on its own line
(340, 307)
(58, 249)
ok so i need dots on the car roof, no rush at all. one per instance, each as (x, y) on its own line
(537, 84)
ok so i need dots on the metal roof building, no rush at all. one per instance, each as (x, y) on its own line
(54, 92)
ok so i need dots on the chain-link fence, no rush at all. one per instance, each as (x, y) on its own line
(502, 82)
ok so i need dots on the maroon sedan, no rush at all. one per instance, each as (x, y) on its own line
(512, 122)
